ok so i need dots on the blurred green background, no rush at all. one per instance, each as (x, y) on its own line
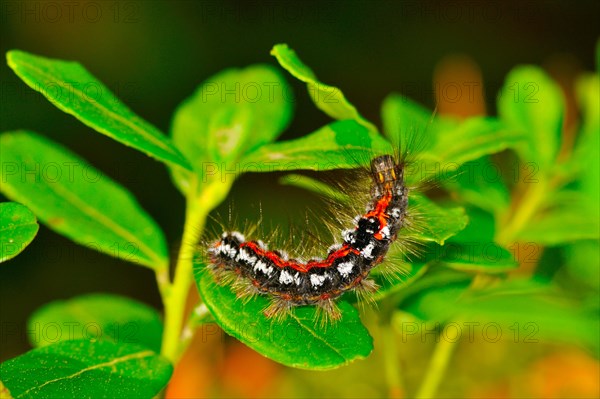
(153, 54)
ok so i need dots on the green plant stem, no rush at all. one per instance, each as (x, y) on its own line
(176, 298)
(437, 368)
(393, 373)
(200, 315)
(164, 283)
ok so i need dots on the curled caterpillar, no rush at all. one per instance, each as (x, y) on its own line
(258, 270)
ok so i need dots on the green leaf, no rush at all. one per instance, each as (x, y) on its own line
(18, 227)
(534, 310)
(588, 97)
(339, 145)
(531, 102)
(583, 262)
(97, 316)
(474, 138)
(480, 183)
(481, 227)
(230, 114)
(473, 249)
(299, 341)
(568, 216)
(412, 272)
(587, 152)
(76, 369)
(328, 99)
(435, 223)
(477, 256)
(406, 122)
(71, 88)
(76, 200)
(439, 146)
(436, 277)
(559, 227)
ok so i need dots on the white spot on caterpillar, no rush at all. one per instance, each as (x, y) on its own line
(286, 278)
(385, 232)
(262, 266)
(367, 252)
(348, 235)
(297, 279)
(261, 245)
(395, 212)
(345, 268)
(284, 255)
(244, 255)
(316, 280)
(238, 236)
(228, 250)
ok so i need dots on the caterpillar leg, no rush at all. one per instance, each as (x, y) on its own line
(279, 309)
(244, 289)
(222, 276)
(393, 270)
(327, 312)
(364, 292)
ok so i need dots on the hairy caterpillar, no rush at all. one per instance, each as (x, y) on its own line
(257, 270)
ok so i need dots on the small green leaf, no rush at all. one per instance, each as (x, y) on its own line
(412, 272)
(587, 152)
(71, 88)
(76, 200)
(439, 146)
(480, 183)
(230, 114)
(434, 278)
(583, 262)
(474, 138)
(435, 223)
(77, 369)
(477, 256)
(299, 341)
(527, 310)
(405, 121)
(561, 226)
(97, 316)
(566, 216)
(18, 227)
(531, 102)
(339, 145)
(481, 227)
(588, 96)
(328, 99)
(473, 248)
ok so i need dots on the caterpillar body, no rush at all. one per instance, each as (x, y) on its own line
(289, 282)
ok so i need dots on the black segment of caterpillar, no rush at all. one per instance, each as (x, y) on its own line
(257, 270)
